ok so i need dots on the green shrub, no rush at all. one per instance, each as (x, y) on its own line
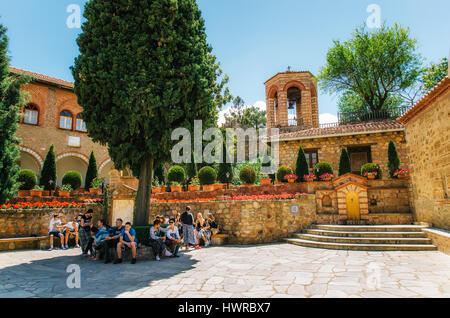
(301, 166)
(73, 178)
(282, 171)
(48, 174)
(92, 172)
(159, 173)
(176, 174)
(143, 234)
(27, 179)
(225, 167)
(371, 167)
(247, 175)
(344, 162)
(393, 159)
(321, 168)
(207, 175)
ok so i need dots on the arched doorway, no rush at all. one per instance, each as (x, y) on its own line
(69, 163)
(353, 212)
(27, 161)
(104, 171)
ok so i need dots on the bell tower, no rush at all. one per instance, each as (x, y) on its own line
(291, 101)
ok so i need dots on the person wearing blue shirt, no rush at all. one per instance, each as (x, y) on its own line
(129, 240)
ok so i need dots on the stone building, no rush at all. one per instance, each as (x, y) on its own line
(52, 116)
(292, 107)
(427, 126)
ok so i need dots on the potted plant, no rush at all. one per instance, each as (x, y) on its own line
(309, 177)
(194, 185)
(65, 190)
(96, 185)
(207, 176)
(175, 186)
(370, 175)
(283, 171)
(27, 180)
(326, 177)
(156, 186)
(291, 178)
(36, 191)
(265, 179)
(247, 176)
(402, 174)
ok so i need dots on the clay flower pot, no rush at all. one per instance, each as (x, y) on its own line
(176, 188)
(64, 194)
(309, 179)
(193, 188)
(46, 193)
(326, 179)
(266, 181)
(247, 185)
(371, 177)
(208, 187)
(291, 180)
(36, 193)
(403, 176)
(23, 193)
(95, 190)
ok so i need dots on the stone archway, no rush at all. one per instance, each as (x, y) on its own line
(353, 204)
(70, 163)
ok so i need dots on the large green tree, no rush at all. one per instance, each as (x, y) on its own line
(373, 66)
(241, 116)
(91, 172)
(48, 173)
(434, 73)
(145, 69)
(11, 101)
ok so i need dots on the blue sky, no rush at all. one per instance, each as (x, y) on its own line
(253, 39)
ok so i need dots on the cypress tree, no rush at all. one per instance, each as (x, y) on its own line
(393, 159)
(224, 166)
(91, 172)
(48, 173)
(191, 169)
(301, 166)
(159, 173)
(11, 102)
(164, 76)
(344, 162)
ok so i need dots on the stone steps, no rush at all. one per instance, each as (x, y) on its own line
(365, 234)
(365, 238)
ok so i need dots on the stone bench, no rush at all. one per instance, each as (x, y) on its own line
(23, 243)
(219, 239)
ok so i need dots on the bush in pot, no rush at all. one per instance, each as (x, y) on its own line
(176, 174)
(323, 169)
(65, 190)
(207, 176)
(282, 172)
(36, 191)
(73, 178)
(371, 169)
(247, 175)
(27, 180)
(175, 186)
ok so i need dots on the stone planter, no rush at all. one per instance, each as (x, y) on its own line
(192, 188)
(64, 194)
(36, 193)
(266, 181)
(95, 190)
(208, 187)
(176, 189)
(23, 193)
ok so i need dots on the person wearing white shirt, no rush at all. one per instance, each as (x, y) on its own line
(173, 241)
(55, 230)
(71, 228)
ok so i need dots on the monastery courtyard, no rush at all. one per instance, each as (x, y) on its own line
(275, 270)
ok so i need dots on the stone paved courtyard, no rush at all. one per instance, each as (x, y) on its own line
(277, 270)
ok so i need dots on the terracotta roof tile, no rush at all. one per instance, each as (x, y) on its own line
(348, 129)
(441, 88)
(44, 78)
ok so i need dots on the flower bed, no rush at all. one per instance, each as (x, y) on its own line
(284, 196)
(41, 205)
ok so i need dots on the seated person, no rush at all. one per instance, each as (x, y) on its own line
(128, 240)
(71, 228)
(157, 242)
(173, 239)
(98, 235)
(55, 228)
(112, 240)
(164, 224)
(101, 225)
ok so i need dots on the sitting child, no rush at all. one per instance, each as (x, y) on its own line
(55, 228)
(71, 228)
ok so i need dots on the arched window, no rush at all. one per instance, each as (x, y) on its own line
(80, 124)
(31, 115)
(65, 120)
(294, 96)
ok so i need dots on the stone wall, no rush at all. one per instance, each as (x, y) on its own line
(26, 223)
(428, 139)
(253, 221)
(329, 149)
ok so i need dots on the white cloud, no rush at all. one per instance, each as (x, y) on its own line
(259, 104)
(327, 118)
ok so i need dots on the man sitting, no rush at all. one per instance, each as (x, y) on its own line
(157, 242)
(71, 228)
(101, 225)
(173, 240)
(98, 235)
(128, 240)
(55, 228)
(112, 240)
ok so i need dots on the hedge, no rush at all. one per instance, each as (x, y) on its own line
(247, 175)
(176, 174)
(207, 175)
(27, 179)
(73, 178)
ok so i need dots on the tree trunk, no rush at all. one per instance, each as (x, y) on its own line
(142, 202)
